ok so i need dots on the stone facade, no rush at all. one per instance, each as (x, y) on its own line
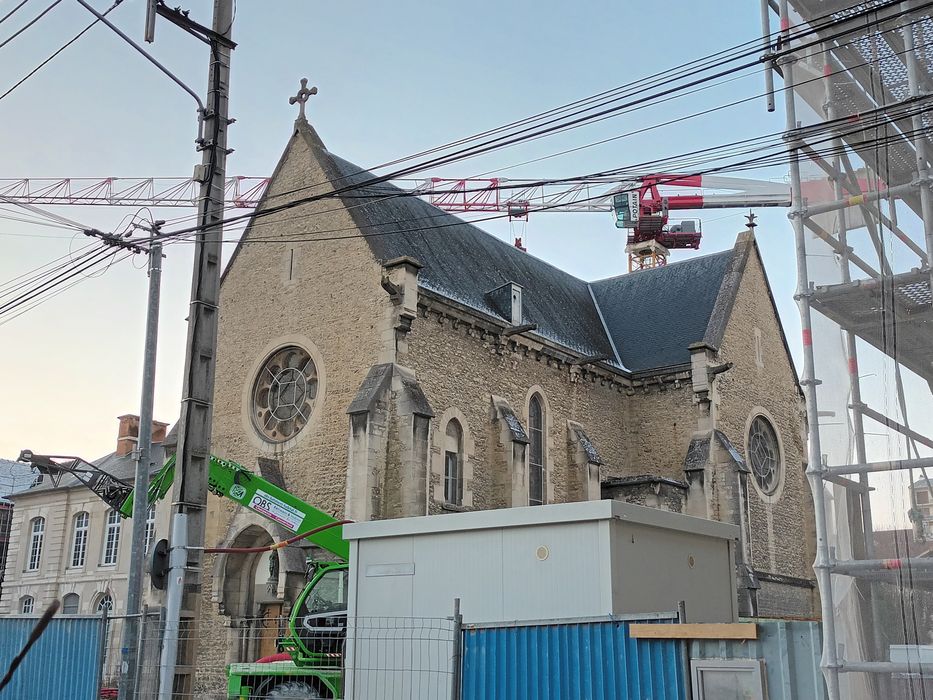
(82, 581)
(414, 384)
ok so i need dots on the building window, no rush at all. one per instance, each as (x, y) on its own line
(284, 393)
(35, 543)
(105, 602)
(536, 451)
(453, 463)
(764, 455)
(27, 605)
(79, 540)
(111, 538)
(150, 526)
(923, 496)
(70, 604)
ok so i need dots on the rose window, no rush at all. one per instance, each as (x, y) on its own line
(764, 455)
(284, 394)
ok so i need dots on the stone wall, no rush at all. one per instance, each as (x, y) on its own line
(659, 421)
(459, 370)
(325, 297)
(763, 381)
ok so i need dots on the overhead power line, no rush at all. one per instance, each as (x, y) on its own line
(29, 23)
(57, 52)
(12, 12)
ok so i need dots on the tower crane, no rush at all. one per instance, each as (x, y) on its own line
(641, 205)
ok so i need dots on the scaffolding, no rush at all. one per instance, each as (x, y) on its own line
(856, 100)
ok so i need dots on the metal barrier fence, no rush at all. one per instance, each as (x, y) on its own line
(65, 662)
(80, 658)
(571, 659)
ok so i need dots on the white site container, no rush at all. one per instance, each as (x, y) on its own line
(565, 561)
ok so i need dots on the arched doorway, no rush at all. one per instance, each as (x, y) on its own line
(250, 596)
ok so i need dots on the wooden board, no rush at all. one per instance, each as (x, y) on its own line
(736, 630)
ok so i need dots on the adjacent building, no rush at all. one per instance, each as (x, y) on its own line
(14, 476)
(71, 546)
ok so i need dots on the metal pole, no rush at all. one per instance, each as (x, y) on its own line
(178, 560)
(129, 667)
(101, 650)
(766, 45)
(456, 679)
(194, 425)
(866, 589)
(829, 662)
(913, 85)
(140, 642)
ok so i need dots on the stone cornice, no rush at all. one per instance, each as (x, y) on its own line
(491, 331)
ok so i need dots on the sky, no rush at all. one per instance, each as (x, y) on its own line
(393, 79)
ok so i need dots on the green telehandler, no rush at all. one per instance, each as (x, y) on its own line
(316, 628)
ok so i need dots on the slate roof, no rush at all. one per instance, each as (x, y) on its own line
(14, 476)
(654, 315)
(641, 321)
(462, 262)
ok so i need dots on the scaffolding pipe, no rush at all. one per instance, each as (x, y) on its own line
(841, 290)
(833, 171)
(911, 667)
(866, 197)
(892, 424)
(854, 567)
(829, 662)
(825, 236)
(766, 45)
(863, 494)
(888, 466)
(913, 85)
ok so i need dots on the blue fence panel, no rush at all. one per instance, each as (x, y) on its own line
(63, 663)
(578, 661)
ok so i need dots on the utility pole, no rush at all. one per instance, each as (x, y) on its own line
(129, 666)
(194, 426)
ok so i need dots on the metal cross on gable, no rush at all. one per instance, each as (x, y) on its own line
(303, 94)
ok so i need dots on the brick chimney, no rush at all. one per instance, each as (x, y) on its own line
(128, 433)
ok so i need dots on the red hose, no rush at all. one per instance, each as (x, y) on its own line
(274, 545)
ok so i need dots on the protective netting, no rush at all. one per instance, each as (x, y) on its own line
(861, 122)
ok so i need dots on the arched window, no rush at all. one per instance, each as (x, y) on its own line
(37, 530)
(111, 539)
(27, 605)
(79, 540)
(105, 602)
(70, 604)
(453, 463)
(150, 526)
(536, 451)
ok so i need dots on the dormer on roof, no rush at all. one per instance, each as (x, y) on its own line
(507, 301)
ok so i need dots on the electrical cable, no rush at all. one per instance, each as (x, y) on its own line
(57, 52)
(515, 137)
(29, 23)
(755, 143)
(12, 12)
(684, 118)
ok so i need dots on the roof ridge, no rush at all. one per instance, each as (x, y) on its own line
(676, 263)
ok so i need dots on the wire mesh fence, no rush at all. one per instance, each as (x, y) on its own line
(272, 657)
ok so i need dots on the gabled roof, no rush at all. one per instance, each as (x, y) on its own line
(640, 322)
(655, 315)
(464, 263)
